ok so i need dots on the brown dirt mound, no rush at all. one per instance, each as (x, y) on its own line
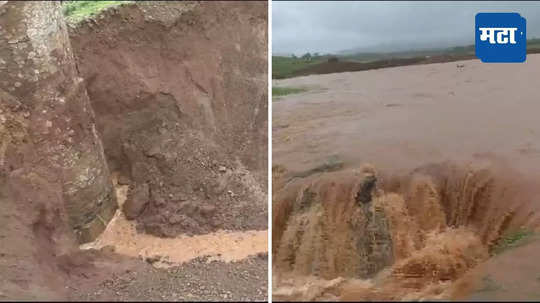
(420, 231)
(180, 96)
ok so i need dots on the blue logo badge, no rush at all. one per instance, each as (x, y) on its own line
(501, 37)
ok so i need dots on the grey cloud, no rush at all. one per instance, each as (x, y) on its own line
(304, 26)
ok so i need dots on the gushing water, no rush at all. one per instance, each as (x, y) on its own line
(411, 238)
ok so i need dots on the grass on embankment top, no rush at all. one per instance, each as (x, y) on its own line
(283, 91)
(75, 11)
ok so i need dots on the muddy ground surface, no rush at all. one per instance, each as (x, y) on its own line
(106, 276)
(455, 152)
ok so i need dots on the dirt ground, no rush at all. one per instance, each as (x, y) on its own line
(103, 275)
(456, 154)
(197, 280)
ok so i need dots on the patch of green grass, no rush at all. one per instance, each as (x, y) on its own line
(75, 11)
(284, 67)
(512, 240)
(534, 45)
(283, 91)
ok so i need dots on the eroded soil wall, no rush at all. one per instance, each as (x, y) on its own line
(180, 95)
(55, 188)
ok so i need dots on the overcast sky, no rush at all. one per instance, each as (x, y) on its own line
(326, 26)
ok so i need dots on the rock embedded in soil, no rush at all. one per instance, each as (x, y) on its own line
(123, 180)
(137, 199)
(364, 195)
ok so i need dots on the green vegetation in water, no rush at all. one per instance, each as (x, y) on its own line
(332, 163)
(283, 91)
(512, 240)
(75, 11)
(284, 67)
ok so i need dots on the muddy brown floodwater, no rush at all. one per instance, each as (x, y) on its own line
(224, 246)
(456, 154)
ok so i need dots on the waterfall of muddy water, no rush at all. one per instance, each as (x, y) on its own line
(419, 232)
(226, 246)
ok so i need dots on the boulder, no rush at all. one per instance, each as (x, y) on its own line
(137, 199)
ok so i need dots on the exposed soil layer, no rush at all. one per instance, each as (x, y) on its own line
(47, 132)
(476, 126)
(180, 96)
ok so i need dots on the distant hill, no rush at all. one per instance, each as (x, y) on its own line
(364, 56)
(286, 67)
(391, 47)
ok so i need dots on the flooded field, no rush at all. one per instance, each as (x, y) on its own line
(453, 177)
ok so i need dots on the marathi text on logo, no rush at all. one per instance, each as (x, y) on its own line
(501, 33)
